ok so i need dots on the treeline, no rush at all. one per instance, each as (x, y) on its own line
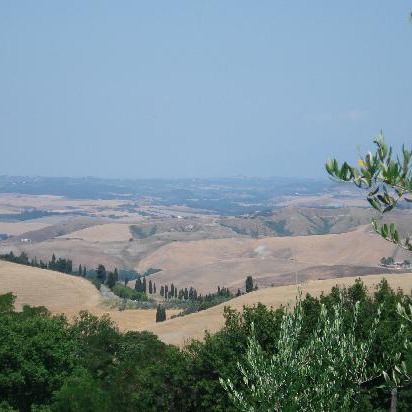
(49, 364)
(59, 265)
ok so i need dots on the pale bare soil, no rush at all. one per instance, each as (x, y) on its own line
(205, 264)
(181, 330)
(18, 228)
(15, 203)
(109, 232)
(65, 294)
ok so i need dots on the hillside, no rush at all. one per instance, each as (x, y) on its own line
(68, 295)
(65, 294)
(205, 264)
(179, 330)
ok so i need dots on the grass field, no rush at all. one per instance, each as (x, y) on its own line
(69, 294)
(205, 264)
(179, 330)
(66, 294)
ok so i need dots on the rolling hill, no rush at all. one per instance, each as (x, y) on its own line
(180, 330)
(205, 264)
(66, 295)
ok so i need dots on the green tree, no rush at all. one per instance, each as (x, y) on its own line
(80, 392)
(138, 285)
(160, 313)
(150, 286)
(111, 280)
(101, 273)
(249, 284)
(80, 271)
(324, 373)
(37, 353)
(7, 303)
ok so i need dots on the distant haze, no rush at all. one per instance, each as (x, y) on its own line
(137, 89)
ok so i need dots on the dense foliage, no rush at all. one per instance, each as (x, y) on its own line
(129, 293)
(59, 265)
(89, 365)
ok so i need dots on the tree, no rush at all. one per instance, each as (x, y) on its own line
(80, 271)
(144, 287)
(154, 288)
(84, 271)
(324, 373)
(7, 303)
(160, 313)
(116, 275)
(150, 286)
(162, 291)
(111, 280)
(388, 180)
(138, 285)
(249, 284)
(52, 263)
(101, 273)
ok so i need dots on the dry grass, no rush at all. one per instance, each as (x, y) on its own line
(17, 228)
(69, 295)
(110, 232)
(178, 331)
(66, 294)
(205, 264)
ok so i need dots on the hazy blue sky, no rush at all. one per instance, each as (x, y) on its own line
(199, 88)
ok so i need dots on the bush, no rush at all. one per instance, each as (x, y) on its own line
(129, 293)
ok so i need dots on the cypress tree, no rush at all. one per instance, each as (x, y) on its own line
(150, 287)
(116, 275)
(249, 284)
(154, 288)
(138, 285)
(172, 290)
(84, 271)
(160, 313)
(144, 289)
(162, 291)
(166, 291)
(101, 273)
(80, 270)
(110, 280)
(186, 294)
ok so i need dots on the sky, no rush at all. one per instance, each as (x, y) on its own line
(150, 89)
